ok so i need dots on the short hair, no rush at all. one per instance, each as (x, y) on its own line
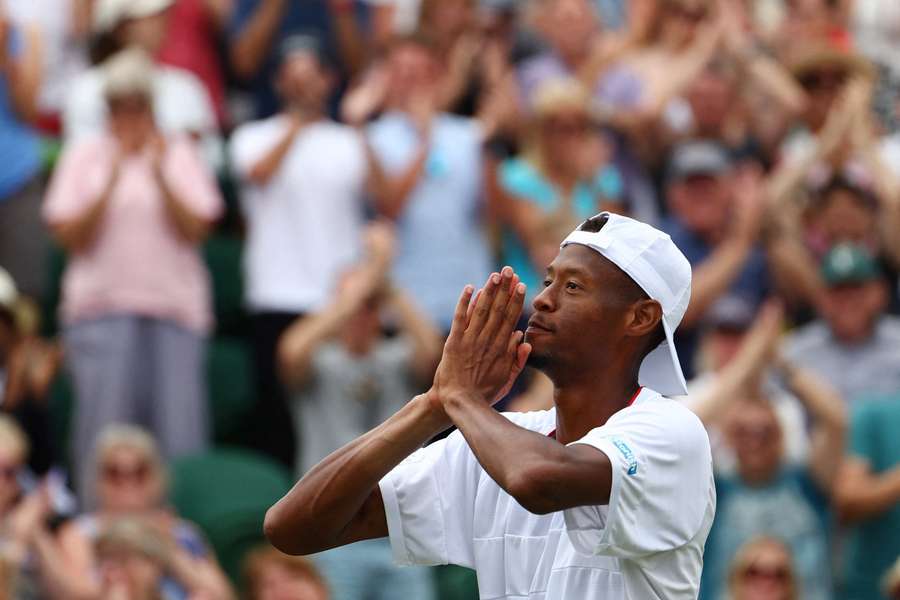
(262, 556)
(120, 435)
(627, 290)
(13, 436)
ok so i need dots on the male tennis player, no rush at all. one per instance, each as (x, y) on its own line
(608, 496)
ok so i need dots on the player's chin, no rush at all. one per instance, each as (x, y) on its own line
(539, 358)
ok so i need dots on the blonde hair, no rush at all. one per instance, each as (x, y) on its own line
(748, 554)
(128, 535)
(553, 97)
(261, 557)
(118, 436)
(13, 437)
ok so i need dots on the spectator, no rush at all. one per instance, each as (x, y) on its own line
(63, 29)
(767, 495)
(23, 241)
(558, 181)
(273, 575)
(192, 44)
(854, 345)
(130, 481)
(180, 102)
(131, 207)
(303, 180)
(429, 179)
(867, 495)
(257, 30)
(348, 377)
(28, 366)
(762, 570)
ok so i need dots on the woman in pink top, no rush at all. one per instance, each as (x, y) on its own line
(132, 207)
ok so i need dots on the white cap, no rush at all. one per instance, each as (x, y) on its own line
(128, 72)
(109, 13)
(655, 263)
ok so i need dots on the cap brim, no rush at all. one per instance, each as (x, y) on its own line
(661, 369)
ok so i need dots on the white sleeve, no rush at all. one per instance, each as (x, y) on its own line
(429, 501)
(662, 483)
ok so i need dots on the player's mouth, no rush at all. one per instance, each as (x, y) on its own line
(536, 326)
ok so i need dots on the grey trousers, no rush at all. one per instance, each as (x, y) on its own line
(139, 370)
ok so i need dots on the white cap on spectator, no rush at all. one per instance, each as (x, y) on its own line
(128, 73)
(109, 13)
(655, 263)
(9, 294)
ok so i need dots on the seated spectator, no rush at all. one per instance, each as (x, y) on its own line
(28, 365)
(180, 103)
(131, 207)
(853, 345)
(767, 495)
(273, 575)
(135, 561)
(347, 377)
(428, 179)
(23, 241)
(130, 482)
(559, 180)
(303, 178)
(867, 495)
(762, 570)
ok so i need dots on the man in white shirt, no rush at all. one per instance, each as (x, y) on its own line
(609, 495)
(302, 181)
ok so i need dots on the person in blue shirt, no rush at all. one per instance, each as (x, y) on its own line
(22, 236)
(767, 494)
(427, 178)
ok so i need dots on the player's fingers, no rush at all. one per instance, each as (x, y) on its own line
(482, 309)
(498, 307)
(471, 307)
(522, 354)
(459, 316)
(513, 310)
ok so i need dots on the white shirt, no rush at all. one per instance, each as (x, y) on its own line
(64, 56)
(304, 224)
(647, 543)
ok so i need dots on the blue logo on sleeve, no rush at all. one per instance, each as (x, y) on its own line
(627, 454)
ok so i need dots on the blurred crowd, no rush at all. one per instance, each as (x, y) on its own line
(236, 230)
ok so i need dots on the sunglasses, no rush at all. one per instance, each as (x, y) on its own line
(119, 474)
(823, 80)
(779, 573)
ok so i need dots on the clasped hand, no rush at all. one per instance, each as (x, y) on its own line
(484, 353)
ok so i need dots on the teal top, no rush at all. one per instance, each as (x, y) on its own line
(873, 545)
(522, 180)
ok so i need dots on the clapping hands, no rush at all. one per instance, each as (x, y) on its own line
(484, 353)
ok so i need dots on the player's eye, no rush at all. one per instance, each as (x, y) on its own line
(547, 283)
(571, 285)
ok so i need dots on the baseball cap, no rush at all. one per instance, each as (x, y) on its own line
(655, 263)
(697, 158)
(730, 312)
(849, 263)
(109, 13)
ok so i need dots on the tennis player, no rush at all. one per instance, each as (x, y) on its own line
(608, 496)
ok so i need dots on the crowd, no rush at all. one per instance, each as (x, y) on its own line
(338, 170)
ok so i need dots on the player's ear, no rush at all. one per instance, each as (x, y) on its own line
(645, 317)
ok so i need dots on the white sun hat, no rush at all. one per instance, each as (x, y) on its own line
(109, 13)
(655, 263)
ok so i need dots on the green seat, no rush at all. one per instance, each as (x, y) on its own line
(226, 492)
(230, 390)
(223, 259)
